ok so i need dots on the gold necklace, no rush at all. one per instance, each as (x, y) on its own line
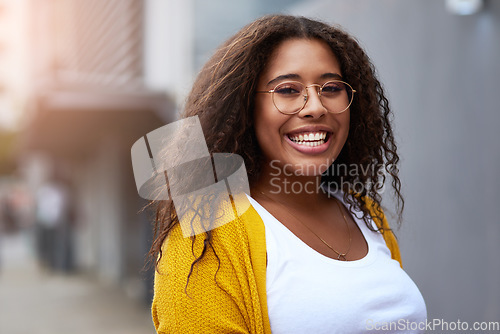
(340, 256)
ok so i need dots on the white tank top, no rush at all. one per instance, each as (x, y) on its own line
(308, 292)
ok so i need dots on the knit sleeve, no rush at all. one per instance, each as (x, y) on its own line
(221, 295)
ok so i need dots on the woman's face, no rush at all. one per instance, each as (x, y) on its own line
(308, 61)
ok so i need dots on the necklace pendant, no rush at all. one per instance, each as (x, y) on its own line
(341, 257)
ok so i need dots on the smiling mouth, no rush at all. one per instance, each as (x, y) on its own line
(311, 139)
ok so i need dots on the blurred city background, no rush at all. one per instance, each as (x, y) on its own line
(82, 80)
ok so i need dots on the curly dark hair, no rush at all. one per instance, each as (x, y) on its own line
(223, 99)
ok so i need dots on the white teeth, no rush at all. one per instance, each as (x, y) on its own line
(311, 139)
(311, 143)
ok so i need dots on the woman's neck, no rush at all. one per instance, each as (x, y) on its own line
(288, 187)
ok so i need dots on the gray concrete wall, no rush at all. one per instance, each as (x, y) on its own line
(442, 73)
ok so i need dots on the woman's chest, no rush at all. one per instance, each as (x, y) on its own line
(310, 295)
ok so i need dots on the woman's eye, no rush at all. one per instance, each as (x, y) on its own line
(287, 90)
(332, 88)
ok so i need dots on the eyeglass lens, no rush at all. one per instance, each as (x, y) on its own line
(291, 97)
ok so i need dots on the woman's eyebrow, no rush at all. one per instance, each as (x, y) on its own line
(284, 77)
(331, 76)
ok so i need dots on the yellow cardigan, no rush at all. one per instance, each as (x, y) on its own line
(225, 296)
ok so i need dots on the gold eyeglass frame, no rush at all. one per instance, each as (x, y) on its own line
(306, 96)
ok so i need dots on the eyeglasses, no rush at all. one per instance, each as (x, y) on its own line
(290, 97)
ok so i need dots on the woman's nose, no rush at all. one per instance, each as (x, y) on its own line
(313, 107)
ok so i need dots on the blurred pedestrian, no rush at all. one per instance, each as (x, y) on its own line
(8, 214)
(54, 221)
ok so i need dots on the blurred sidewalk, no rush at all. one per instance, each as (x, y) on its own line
(33, 302)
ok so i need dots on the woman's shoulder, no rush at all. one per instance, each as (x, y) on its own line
(242, 232)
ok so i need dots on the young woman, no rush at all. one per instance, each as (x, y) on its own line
(300, 102)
